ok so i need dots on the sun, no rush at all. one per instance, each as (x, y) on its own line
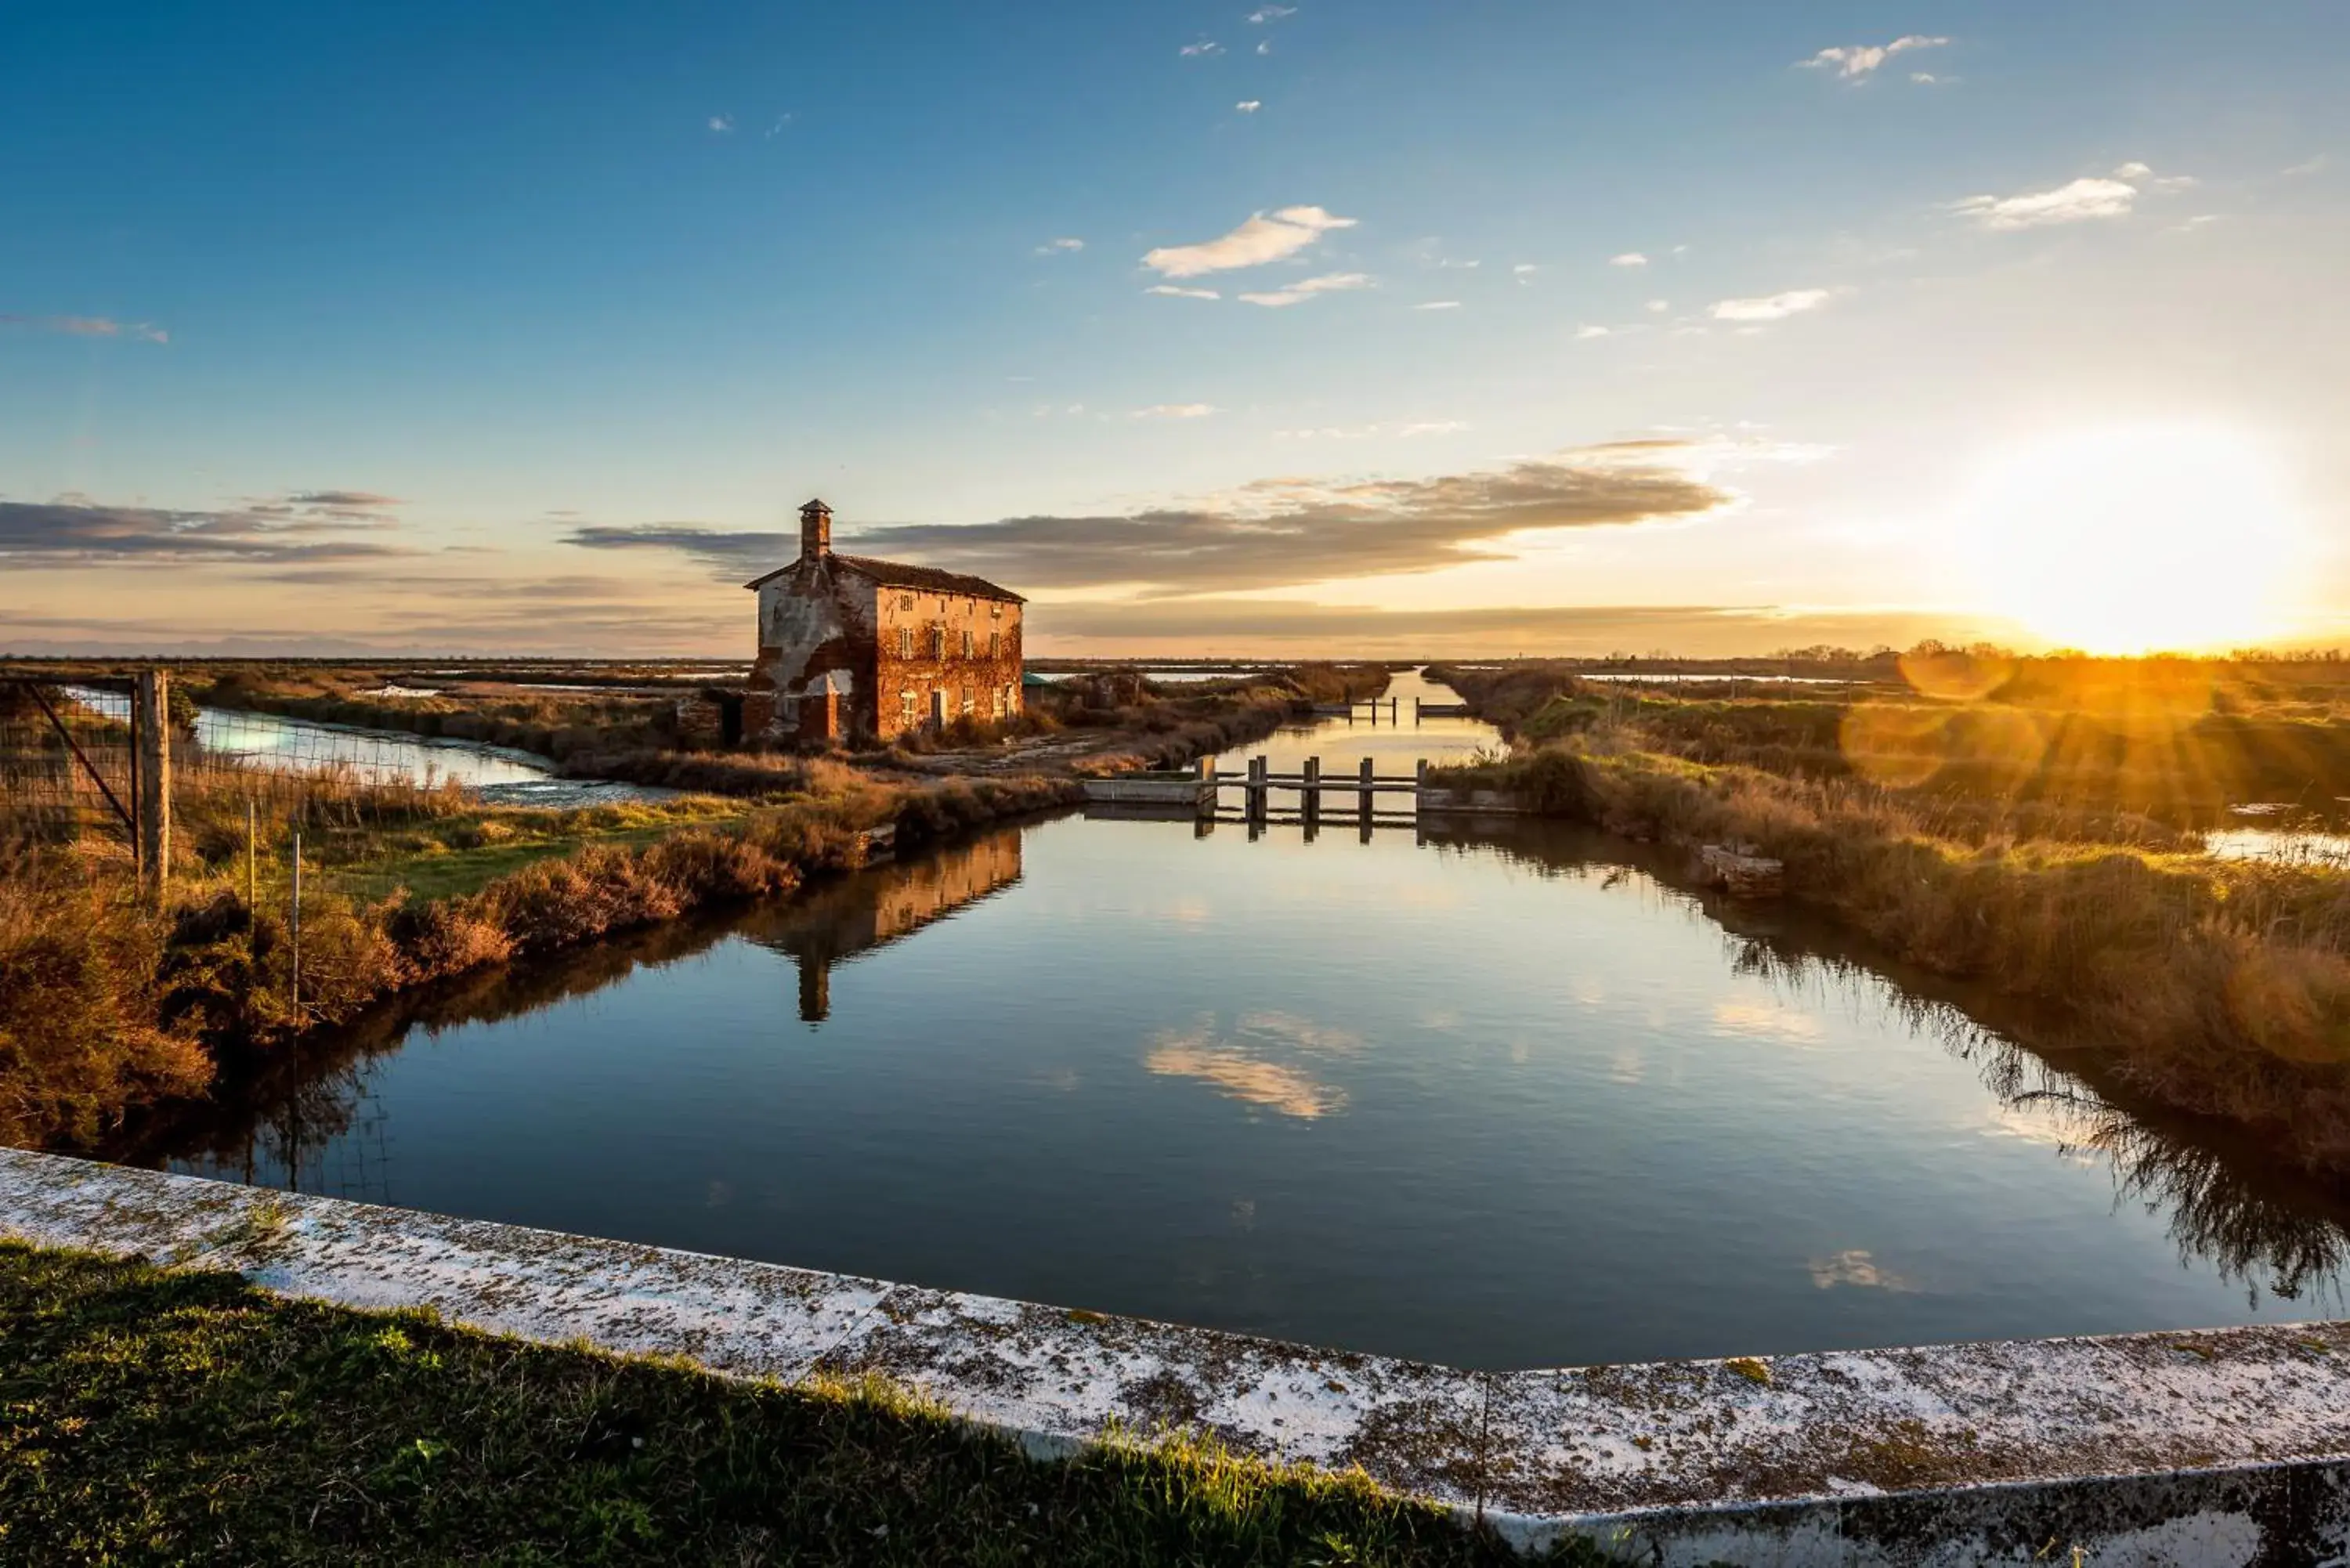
(2153, 538)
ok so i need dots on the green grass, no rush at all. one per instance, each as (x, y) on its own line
(436, 871)
(155, 1416)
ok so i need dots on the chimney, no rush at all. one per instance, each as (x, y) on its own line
(816, 531)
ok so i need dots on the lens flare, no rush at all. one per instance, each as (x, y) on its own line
(2133, 541)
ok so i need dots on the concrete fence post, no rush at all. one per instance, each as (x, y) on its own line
(150, 730)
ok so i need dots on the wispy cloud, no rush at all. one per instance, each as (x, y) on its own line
(1306, 288)
(305, 526)
(1179, 292)
(2082, 200)
(1249, 105)
(1375, 431)
(1060, 247)
(1630, 258)
(1270, 534)
(1201, 49)
(1438, 305)
(2306, 166)
(721, 123)
(88, 327)
(1770, 307)
(1855, 61)
(782, 120)
(1585, 333)
(1264, 237)
(1659, 307)
(1176, 411)
(1928, 79)
(1264, 16)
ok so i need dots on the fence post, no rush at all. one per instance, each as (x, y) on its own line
(150, 727)
(252, 865)
(297, 929)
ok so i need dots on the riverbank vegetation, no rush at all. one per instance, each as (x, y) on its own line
(108, 1000)
(159, 1416)
(2219, 986)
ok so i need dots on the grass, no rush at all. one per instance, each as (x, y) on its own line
(2177, 740)
(154, 1416)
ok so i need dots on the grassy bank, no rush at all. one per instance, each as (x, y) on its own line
(180, 1418)
(2217, 987)
(107, 1002)
(2178, 740)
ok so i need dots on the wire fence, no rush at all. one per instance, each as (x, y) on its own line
(66, 767)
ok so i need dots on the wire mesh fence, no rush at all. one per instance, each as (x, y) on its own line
(66, 766)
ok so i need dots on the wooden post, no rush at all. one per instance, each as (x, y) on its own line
(1364, 777)
(150, 729)
(252, 867)
(1255, 792)
(1310, 798)
(1414, 712)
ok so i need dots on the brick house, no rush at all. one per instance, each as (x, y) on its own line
(851, 645)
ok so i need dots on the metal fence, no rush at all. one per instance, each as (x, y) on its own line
(68, 766)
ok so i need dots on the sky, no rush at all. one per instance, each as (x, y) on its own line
(1346, 325)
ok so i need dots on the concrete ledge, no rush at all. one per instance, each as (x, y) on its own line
(1441, 800)
(1149, 789)
(2227, 1445)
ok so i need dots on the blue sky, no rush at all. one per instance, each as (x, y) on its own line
(568, 304)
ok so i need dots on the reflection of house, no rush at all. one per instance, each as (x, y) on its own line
(839, 921)
(848, 645)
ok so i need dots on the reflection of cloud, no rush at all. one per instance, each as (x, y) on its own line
(1763, 1021)
(1627, 1065)
(1302, 1033)
(1859, 1269)
(1242, 1077)
(1247, 1066)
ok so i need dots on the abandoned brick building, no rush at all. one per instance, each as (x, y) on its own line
(850, 646)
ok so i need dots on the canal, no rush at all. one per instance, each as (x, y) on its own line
(1500, 1095)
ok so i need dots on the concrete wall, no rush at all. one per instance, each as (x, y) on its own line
(2226, 1446)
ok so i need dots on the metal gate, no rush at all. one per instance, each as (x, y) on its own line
(69, 763)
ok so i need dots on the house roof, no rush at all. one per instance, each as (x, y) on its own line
(899, 574)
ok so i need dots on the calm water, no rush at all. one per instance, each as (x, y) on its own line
(1503, 1099)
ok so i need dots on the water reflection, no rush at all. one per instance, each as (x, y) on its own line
(1593, 1132)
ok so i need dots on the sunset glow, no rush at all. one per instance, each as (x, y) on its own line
(2135, 541)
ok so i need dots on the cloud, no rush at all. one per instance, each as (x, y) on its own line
(1438, 305)
(777, 129)
(88, 327)
(1264, 16)
(1262, 238)
(1249, 105)
(721, 123)
(1272, 532)
(2307, 166)
(1770, 308)
(1306, 288)
(1659, 307)
(1586, 332)
(1201, 49)
(1630, 258)
(1060, 247)
(1525, 269)
(1181, 293)
(2132, 171)
(1371, 431)
(303, 526)
(2080, 202)
(1265, 47)
(1855, 61)
(1177, 411)
(1924, 78)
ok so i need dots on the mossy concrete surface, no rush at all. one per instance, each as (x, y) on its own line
(2211, 1447)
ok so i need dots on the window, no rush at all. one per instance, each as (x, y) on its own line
(905, 642)
(909, 708)
(995, 645)
(938, 642)
(966, 644)
(966, 702)
(995, 610)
